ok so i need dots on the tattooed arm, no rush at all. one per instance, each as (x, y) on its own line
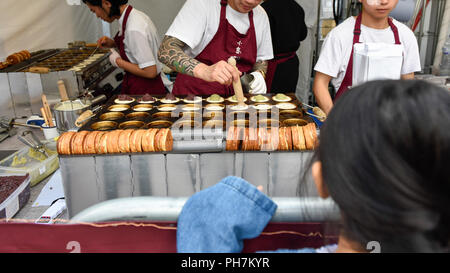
(171, 53)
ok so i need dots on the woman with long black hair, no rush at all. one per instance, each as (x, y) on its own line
(384, 158)
(137, 42)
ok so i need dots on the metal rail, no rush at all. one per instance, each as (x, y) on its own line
(167, 209)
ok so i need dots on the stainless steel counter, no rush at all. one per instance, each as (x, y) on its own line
(89, 180)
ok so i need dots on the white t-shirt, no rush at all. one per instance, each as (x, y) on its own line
(198, 21)
(337, 48)
(141, 40)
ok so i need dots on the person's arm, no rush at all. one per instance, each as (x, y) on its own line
(321, 93)
(409, 76)
(210, 222)
(171, 53)
(149, 72)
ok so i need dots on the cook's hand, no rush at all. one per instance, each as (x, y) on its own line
(106, 42)
(113, 57)
(221, 72)
(258, 85)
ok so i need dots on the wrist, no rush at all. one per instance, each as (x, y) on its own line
(199, 69)
(119, 62)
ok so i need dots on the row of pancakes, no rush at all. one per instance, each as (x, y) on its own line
(114, 142)
(170, 98)
(298, 138)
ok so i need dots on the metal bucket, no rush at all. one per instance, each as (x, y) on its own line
(67, 112)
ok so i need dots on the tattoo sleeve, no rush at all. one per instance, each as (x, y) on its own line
(171, 54)
(261, 66)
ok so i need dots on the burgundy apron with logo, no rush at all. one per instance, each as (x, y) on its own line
(132, 84)
(348, 79)
(272, 67)
(226, 43)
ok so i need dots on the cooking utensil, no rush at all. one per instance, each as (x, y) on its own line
(307, 106)
(316, 116)
(87, 115)
(47, 110)
(237, 85)
(40, 70)
(63, 92)
(30, 139)
(93, 52)
(10, 122)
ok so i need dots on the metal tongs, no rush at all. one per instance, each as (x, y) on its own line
(31, 140)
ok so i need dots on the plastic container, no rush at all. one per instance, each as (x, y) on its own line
(50, 133)
(16, 199)
(27, 160)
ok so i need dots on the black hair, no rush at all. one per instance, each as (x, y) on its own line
(385, 153)
(115, 5)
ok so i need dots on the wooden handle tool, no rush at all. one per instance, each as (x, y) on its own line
(237, 85)
(47, 110)
(62, 91)
(41, 70)
(44, 115)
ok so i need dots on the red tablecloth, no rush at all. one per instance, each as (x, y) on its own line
(131, 237)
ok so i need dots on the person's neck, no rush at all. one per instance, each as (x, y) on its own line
(347, 246)
(372, 22)
(123, 8)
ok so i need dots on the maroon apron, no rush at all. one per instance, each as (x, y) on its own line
(272, 67)
(226, 43)
(132, 84)
(348, 78)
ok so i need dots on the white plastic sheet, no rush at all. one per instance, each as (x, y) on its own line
(44, 24)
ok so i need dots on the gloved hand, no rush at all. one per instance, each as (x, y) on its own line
(113, 57)
(258, 85)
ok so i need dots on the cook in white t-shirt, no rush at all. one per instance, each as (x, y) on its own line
(198, 21)
(337, 48)
(196, 26)
(137, 43)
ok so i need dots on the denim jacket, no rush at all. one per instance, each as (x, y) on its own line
(219, 218)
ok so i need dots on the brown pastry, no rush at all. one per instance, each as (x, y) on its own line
(302, 137)
(77, 142)
(89, 142)
(163, 140)
(13, 59)
(102, 144)
(64, 142)
(133, 139)
(283, 142)
(274, 133)
(113, 142)
(289, 137)
(148, 140)
(230, 133)
(246, 140)
(263, 138)
(310, 134)
(97, 140)
(138, 140)
(124, 141)
(253, 138)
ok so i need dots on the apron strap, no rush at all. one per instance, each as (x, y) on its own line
(395, 30)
